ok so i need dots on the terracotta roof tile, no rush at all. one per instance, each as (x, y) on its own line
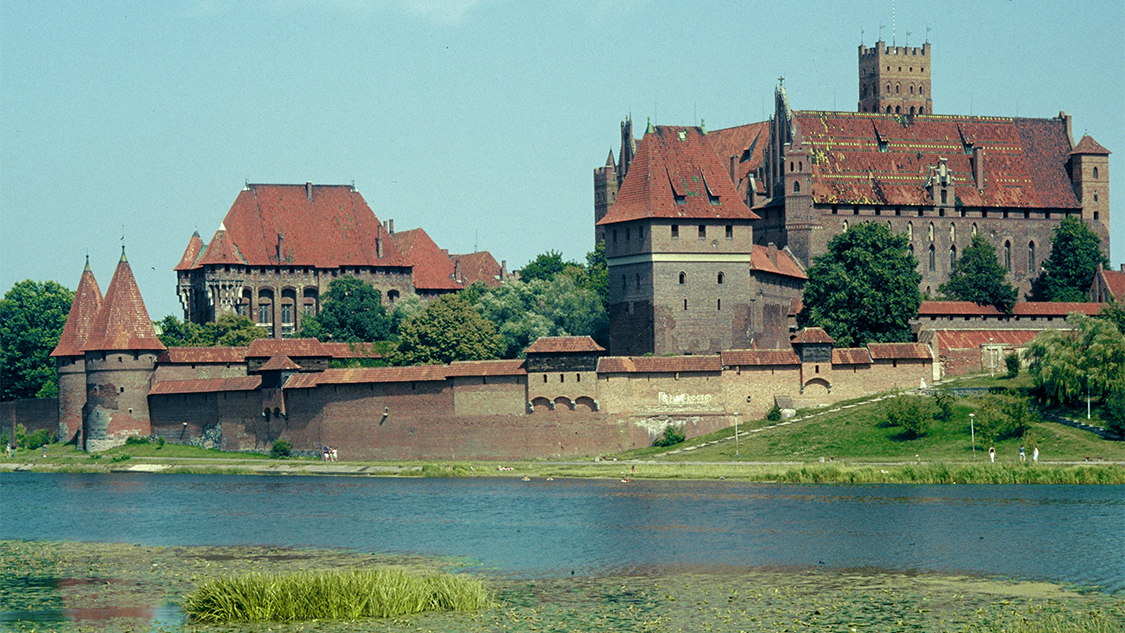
(433, 268)
(1054, 308)
(795, 306)
(220, 251)
(209, 385)
(122, 322)
(365, 375)
(1089, 146)
(563, 345)
(291, 347)
(747, 143)
(677, 174)
(513, 367)
(202, 355)
(975, 339)
(481, 267)
(1021, 308)
(332, 229)
(1114, 282)
(899, 351)
(786, 265)
(659, 364)
(279, 363)
(351, 350)
(813, 335)
(851, 356)
(757, 357)
(191, 253)
(83, 314)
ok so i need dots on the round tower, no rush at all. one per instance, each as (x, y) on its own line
(120, 360)
(70, 363)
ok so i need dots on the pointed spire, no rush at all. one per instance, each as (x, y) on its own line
(83, 313)
(191, 253)
(123, 255)
(122, 322)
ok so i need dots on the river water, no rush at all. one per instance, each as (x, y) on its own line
(1070, 534)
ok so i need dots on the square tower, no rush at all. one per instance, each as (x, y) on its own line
(895, 79)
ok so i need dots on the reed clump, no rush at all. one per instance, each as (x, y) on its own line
(333, 595)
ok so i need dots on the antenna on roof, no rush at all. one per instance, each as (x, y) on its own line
(861, 37)
(476, 234)
(908, 39)
(894, 23)
(928, 29)
(881, 27)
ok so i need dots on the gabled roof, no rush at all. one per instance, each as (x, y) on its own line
(202, 355)
(659, 364)
(220, 251)
(813, 335)
(1089, 146)
(433, 268)
(1113, 281)
(564, 345)
(279, 363)
(747, 143)
(191, 253)
(291, 347)
(507, 367)
(122, 322)
(208, 385)
(899, 351)
(851, 356)
(1021, 309)
(758, 357)
(83, 314)
(677, 174)
(326, 226)
(786, 265)
(481, 266)
(860, 158)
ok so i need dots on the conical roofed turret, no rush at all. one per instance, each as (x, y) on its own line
(123, 322)
(83, 314)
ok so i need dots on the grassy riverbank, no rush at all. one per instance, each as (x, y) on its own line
(121, 587)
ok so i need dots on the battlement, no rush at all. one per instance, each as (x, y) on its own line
(881, 49)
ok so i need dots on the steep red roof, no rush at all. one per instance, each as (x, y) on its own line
(433, 268)
(122, 322)
(191, 253)
(563, 345)
(1089, 146)
(202, 355)
(513, 367)
(861, 158)
(1111, 281)
(481, 266)
(785, 265)
(291, 347)
(658, 364)
(899, 351)
(326, 226)
(851, 356)
(279, 363)
(220, 251)
(677, 174)
(365, 375)
(206, 385)
(747, 143)
(813, 335)
(975, 339)
(757, 357)
(83, 314)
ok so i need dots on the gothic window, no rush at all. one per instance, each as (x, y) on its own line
(800, 166)
(1007, 255)
(796, 187)
(974, 229)
(720, 278)
(912, 92)
(921, 110)
(911, 109)
(845, 227)
(263, 313)
(683, 278)
(1031, 257)
(286, 313)
(898, 110)
(932, 258)
(790, 166)
(952, 256)
(1095, 172)
(952, 232)
(897, 91)
(931, 234)
(910, 230)
(1095, 196)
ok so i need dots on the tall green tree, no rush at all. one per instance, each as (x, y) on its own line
(1114, 312)
(353, 311)
(545, 266)
(229, 330)
(1068, 271)
(597, 272)
(1065, 363)
(32, 316)
(864, 288)
(977, 276)
(448, 329)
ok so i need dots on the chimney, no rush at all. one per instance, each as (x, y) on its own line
(773, 253)
(308, 191)
(457, 270)
(391, 226)
(733, 171)
(978, 167)
(379, 247)
(504, 269)
(1065, 118)
(280, 247)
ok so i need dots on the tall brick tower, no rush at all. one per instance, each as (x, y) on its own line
(120, 357)
(895, 79)
(70, 361)
(1089, 175)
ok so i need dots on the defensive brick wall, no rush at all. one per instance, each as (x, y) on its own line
(33, 413)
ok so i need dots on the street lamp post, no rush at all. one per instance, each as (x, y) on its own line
(1087, 395)
(736, 435)
(973, 434)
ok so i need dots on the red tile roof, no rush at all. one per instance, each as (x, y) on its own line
(512, 367)
(975, 339)
(202, 355)
(1024, 159)
(83, 313)
(191, 253)
(220, 251)
(1113, 281)
(1089, 146)
(747, 143)
(813, 335)
(851, 356)
(433, 268)
(481, 267)
(365, 375)
(335, 228)
(795, 306)
(563, 345)
(208, 385)
(1021, 308)
(1054, 308)
(659, 364)
(786, 265)
(899, 351)
(291, 347)
(279, 363)
(122, 322)
(757, 357)
(677, 174)
(351, 350)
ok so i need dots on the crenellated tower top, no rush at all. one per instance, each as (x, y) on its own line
(895, 79)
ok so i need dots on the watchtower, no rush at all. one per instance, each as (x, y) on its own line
(895, 79)
(70, 361)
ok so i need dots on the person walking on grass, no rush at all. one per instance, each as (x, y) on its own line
(992, 454)
(1035, 454)
(1023, 456)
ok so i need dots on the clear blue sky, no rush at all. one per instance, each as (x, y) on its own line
(478, 120)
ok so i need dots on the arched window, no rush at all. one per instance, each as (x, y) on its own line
(952, 256)
(1031, 257)
(683, 278)
(974, 229)
(910, 231)
(845, 226)
(933, 263)
(800, 166)
(796, 187)
(888, 109)
(1007, 255)
(1095, 172)
(790, 165)
(952, 232)
(921, 110)
(897, 91)
(1095, 196)
(931, 233)
(911, 109)
(911, 89)
(898, 110)
(720, 277)
(888, 88)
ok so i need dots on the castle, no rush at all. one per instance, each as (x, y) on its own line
(805, 176)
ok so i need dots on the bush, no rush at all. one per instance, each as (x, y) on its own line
(1002, 417)
(159, 442)
(774, 414)
(1114, 412)
(281, 449)
(1012, 361)
(672, 435)
(943, 400)
(912, 413)
(133, 440)
(33, 440)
